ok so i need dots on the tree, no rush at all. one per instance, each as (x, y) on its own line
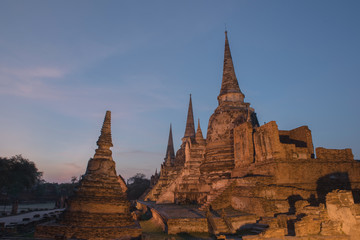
(73, 180)
(16, 175)
(4, 172)
(137, 185)
(137, 178)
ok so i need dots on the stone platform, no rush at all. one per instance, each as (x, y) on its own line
(188, 218)
(79, 232)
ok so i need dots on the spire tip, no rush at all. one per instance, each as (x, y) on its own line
(105, 140)
(190, 126)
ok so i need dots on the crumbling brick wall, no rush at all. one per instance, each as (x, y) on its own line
(334, 154)
(300, 136)
(243, 145)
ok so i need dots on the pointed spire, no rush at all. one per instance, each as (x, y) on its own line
(105, 141)
(229, 81)
(199, 136)
(190, 126)
(170, 153)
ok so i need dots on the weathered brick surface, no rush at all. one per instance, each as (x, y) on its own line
(243, 145)
(187, 225)
(90, 233)
(300, 136)
(99, 208)
(338, 220)
(271, 169)
(283, 169)
(340, 207)
(334, 154)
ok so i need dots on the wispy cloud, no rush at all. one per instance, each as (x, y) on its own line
(27, 70)
(37, 72)
(29, 82)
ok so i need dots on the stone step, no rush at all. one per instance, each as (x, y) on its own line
(222, 229)
(221, 226)
(258, 228)
(255, 232)
(213, 196)
(265, 221)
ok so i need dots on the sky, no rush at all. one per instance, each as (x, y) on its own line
(64, 63)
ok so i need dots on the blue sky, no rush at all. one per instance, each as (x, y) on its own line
(64, 63)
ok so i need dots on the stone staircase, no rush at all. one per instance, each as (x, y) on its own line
(161, 197)
(221, 226)
(215, 194)
(257, 228)
(153, 193)
(217, 223)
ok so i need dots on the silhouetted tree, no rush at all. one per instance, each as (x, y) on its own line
(137, 178)
(16, 175)
(137, 185)
(45, 191)
(73, 180)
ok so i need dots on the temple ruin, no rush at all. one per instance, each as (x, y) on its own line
(100, 208)
(244, 176)
(259, 170)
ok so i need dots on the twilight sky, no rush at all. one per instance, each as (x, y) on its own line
(64, 63)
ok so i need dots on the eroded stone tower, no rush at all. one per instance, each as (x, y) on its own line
(100, 208)
(172, 167)
(231, 112)
(256, 169)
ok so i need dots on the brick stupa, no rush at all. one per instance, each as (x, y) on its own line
(231, 111)
(99, 208)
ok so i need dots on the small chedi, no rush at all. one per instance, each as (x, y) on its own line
(255, 169)
(99, 208)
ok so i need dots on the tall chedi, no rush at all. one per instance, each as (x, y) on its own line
(170, 153)
(189, 135)
(99, 208)
(231, 112)
(168, 171)
(171, 167)
(186, 188)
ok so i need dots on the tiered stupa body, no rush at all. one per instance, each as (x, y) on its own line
(100, 208)
(173, 164)
(168, 171)
(231, 112)
(184, 187)
(255, 169)
(187, 187)
(210, 160)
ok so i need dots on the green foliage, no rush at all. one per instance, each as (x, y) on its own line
(17, 174)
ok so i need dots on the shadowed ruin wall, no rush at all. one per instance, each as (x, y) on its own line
(300, 136)
(277, 167)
